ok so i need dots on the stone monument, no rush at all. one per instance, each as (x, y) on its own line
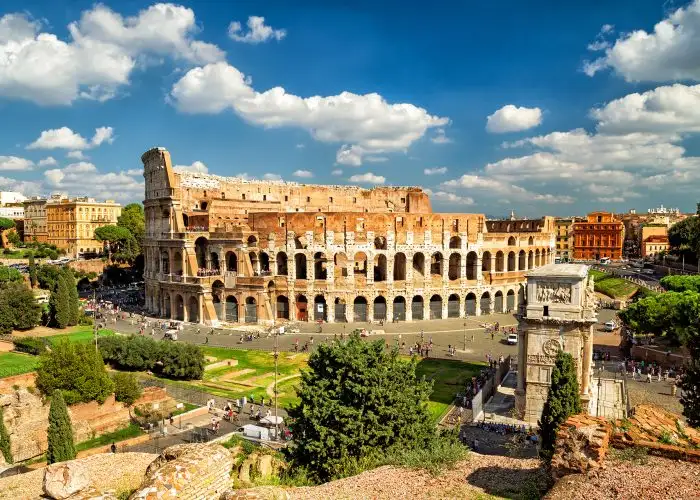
(558, 314)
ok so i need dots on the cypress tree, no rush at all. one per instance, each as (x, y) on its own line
(60, 432)
(4, 440)
(32, 271)
(563, 401)
(73, 298)
(59, 303)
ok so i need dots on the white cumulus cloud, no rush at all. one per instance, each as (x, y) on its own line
(48, 162)
(65, 138)
(368, 178)
(440, 137)
(303, 174)
(85, 179)
(258, 31)
(337, 171)
(15, 163)
(435, 171)
(449, 198)
(76, 155)
(272, 177)
(511, 118)
(197, 167)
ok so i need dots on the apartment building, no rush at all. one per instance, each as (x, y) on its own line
(35, 220)
(600, 235)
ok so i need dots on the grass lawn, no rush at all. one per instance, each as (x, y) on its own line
(13, 363)
(79, 334)
(129, 432)
(187, 407)
(614, 287)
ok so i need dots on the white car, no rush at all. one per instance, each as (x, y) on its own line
(610, 326)
(512, 339)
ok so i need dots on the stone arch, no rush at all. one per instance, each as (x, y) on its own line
(455, 242)
(264, 263)
(302, 312)
(380, 243)
(359, 308)
(193, 309)
(472, 266)
(530, 241)
(251, 310)
(454, 267)
(339, 306)
(453, 306)
(217, 296)
(417, 307)
(498, 302)
(511, 241)
(360, 264)
(214, 259)
(282, 307)
(380, 267)
(300, 264)
(485, 303)
(281, 261)
(419, 264)
(522, 260)
(511, 261)
(165, 262)
(254, 263)
(176, 266)
(179, 307)
(470, 304)
(340, 261)
(167, 311)
(436, 263)
(436, 307)
(201, 246)
(231, 262)
(530, 259)
(400, 267)
(232, 309)
(320, 261)
(499, 262)
(252, 241)
(399, 307)
(379, 308)
(510, 301)
(320, 308)
(486, 262)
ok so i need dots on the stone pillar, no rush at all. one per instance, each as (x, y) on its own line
(409, 268)
(330, 271)
(446, 270)
(370, 268)
(463, 266)
(370, 310)
(479, 265)
(522, 353)
(390, 268)
(477, 306)
(492, 304)
(200, 310)
(493, 262)
(292, 307)
(185, 312)
(444, 307)
(426, 307)
(389, 310)
(587, 361)
(330, 310)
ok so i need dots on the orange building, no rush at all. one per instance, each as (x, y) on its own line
(600, 235)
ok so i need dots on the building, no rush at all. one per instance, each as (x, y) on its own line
(71, 223)
(11, 198)
(634, 224)
(15, 212)
(662, 210)
(600, 235)
(227, 249)
(35, 220)
(565, 239)
(558, 315)
(653, 245)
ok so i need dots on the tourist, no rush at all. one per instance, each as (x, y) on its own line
(649, 376)
(113, 448)
(475, 445)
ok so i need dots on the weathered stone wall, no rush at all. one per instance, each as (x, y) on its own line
(88, 266)
(25, 380)
(581, 446)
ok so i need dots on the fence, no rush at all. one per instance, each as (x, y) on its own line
(489, 389)
(192, 395)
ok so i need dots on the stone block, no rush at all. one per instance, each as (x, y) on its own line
(65, 479)
(581, 446)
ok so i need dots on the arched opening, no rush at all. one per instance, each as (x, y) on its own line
(360, 309)
(399, 309)
(165, 263)
(380, 243)
(340, 262)
(454, 269)
(453, 306)
(472, 269)
(176, 265)
(281, 260)
(320, 272)
(231, 309)
(251, 310)
(201, 246)
(320, 308)
(530, 241)
(436, 307)
(300, 264)
(214, 258)
(340, 316)
(254, 263)
(486, 262)
(379, 309)
(510, 301)
(252, 241)
(522, 260)
(231, 262)
(302, 308)
(203, 205)
(436, 263)
(179, 308)
(530, 259)
(498, 302)
(264, 263)
(360, 266)
(511, 241)
(380, 268)
(511, 261)
(282, 307)
(499, 262)
(166, 306)
(455, 242)
(400, 267)
(470, 305)
(419, 265)
(417, 307)
(537, 258)
(217, 296)
(485, 303)
(186, 220)
(298, 244)
(193, 310)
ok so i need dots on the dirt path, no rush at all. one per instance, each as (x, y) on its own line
(271, 388)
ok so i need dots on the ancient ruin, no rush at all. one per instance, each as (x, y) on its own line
(234, 250)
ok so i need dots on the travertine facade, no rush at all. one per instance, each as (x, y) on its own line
(558, 315)
(35, 220)
(226, 249)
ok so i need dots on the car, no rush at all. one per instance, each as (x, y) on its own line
(512, 339)
(610, 326)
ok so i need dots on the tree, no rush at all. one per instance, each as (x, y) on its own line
(75, 369)
(18, 308)
(48, 275)
(6, 224)
(690, 392)
(357, 401)
(13, 238)
(5, 447)
(563, 401)
(59, 304)
(684, 238)
(33, 280)
(10, 274)
(126, 388)
(133, 219)
(680, 283)
(73, 298)
(120, 243)
(60, 433)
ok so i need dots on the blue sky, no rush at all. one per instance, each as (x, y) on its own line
(532, 106)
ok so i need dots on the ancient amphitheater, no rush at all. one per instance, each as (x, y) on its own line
(232, 250)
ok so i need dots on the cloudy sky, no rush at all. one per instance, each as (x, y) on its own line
(542, 107)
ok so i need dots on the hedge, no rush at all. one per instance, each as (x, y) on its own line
(30, 345)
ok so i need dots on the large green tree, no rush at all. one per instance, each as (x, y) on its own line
(6, 223)
(18, 308)
(75, 369)
(120, 243)
(563, 400)
(61, 446)
(357, 401)
(10, 274)
(680, 283)
(73, 297)
(33, 280)
(684, 238)
(5, 448)
(59, 304)
(133, 219)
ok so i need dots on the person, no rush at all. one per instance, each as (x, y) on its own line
(421, 336)
(113, 448)
(649, 376)
(475, 445)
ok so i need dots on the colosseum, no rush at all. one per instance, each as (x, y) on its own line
(229, 250)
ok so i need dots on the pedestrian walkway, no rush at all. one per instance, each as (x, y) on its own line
(607, 399)
(500, 408)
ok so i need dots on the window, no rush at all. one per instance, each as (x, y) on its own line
(243, 196)
(354, 200)
(330, 199)
(545, 312)
(286, 198)
(223, 196)
(264, 197)
(308, 199)
(403, 200)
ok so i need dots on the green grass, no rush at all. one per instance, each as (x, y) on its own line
(187, 407)
(13, 363)
(129, 432)
(80, 334)
(613, 287)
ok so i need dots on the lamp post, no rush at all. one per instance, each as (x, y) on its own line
(276, 355)
(600, 388)
(465, 336)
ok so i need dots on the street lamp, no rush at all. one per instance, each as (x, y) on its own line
(600, 388)
(465, 336)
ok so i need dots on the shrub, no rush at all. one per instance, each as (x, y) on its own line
(18, 308)
(30, 345)
(126, 388)
(60, 433)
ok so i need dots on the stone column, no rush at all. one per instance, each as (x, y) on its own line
(492, 304)
(389, 310)
(330, 310)
(370, 310)
(200, 310)
(446, 270)
(477, 306)
(493, 262)
(463, 266)
(522, 360)
(587, 360)
(185, 312)
(409, 267)
(479, 265)
(292, 307)
(370, 268)
(444, 307)
(390, 268)
(426, 307)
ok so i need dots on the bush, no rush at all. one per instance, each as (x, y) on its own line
(18, 308)
(61, 446)
(10, 274)
(76, 370)
(126, 388)
(30, 345)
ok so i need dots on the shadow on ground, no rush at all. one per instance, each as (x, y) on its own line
(528, 483)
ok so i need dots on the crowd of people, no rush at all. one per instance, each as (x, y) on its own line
(504, 429)
(208, 272)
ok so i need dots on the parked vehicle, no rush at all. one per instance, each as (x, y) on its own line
(512, 339)
(610, 326)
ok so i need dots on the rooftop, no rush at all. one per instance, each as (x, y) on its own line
(560, 270)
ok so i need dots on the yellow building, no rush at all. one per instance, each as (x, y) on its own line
(71, 223)
(565, 239)
(35, 220)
